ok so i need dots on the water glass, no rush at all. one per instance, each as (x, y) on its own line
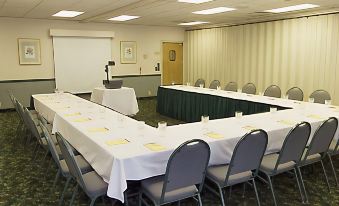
(238, 114)
(239, 90)
(273, 110)
(201, 85)
(188, 84)
(328, 102)
(311, 100)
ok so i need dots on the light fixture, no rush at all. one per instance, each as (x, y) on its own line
(193, 23)
(69, 14)
(293, 8)
(214, 10)
(194, 1)
(123, 18)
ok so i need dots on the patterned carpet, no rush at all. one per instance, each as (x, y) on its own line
(24, 182)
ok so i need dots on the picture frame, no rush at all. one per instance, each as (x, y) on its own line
(128, 52)
(29, 51)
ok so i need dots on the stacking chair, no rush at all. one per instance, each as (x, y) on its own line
(231, 86)
(318, 147)
(214, 84)
(333, 151)
(185, 169)
(295, 93)
(244, 164)
(198, 82)
(91, 183)
(320, 96)
(273, 91)
(289, 156)
(249, 88)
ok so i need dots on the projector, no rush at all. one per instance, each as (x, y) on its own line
(113, 83)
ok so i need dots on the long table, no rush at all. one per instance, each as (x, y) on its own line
(119, 148)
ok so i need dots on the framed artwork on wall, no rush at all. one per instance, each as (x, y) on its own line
(29, 51)
(128, 52)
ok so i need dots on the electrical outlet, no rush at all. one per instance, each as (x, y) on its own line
(149, 93)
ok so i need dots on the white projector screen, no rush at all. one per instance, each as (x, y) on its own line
(80, 62)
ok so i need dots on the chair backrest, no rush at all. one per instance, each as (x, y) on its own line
(322, 137)
(248, 153)
(231, 86)
(249, 88)
(68, 155)
(186, 166)
(198, 82)
(273, 91)
(294, 144)
(51, 145)
(11, 96)
(21, 112)
(320, 96)
(214, 84)
(295, 93)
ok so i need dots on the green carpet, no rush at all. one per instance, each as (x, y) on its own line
(24, 182)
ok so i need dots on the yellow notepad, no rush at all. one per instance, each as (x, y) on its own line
(214, 135)
(73, 114)
(155, 147)
(98, 129)
(116, 142)
(315, 116)
(249, 127)
(287, 122)
(85, 119)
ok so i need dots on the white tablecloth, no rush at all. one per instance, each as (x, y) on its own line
(122, 100)
(133, 161)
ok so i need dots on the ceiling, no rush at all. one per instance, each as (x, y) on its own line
(162, 12)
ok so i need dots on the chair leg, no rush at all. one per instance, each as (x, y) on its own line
(56, 177)
(297, 178)
(140, 197)
(256, 192)
(125, 199)
(221, 196)
(303, 185)
(93, 201)
(272, 190)
(333, 170)
(328, 184)
(73, 196)
(244, 190)
(199, 198)
(63, 192)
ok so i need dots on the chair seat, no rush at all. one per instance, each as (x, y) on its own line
(218, 174)
(331, 150)
(153, 188)
(84, 166)
(269, 161)
(94, 184)
(310, 159)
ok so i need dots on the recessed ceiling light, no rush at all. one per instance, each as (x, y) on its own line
(214, 10)
(194, 1)
(293, 8)
(65, 13)
(193, 23)
(123, 18)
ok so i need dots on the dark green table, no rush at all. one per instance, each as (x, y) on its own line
(190, 106)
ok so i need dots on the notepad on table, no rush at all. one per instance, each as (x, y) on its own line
(287, 122)
(214, 135)
(73, 114)
(98, 129)
(315, 116)
(249, 127)
(85, 119)
(155, 147)
(116, 142)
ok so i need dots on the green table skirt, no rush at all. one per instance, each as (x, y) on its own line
(190, 106)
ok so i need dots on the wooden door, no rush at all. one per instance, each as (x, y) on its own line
(172, 71)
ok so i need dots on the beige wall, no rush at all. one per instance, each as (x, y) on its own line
(148, 40)
(300, 52)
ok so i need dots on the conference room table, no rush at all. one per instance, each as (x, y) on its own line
(122, 100)
(120, 148)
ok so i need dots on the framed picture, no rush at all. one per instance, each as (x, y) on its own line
(29, 51)
(128, 52)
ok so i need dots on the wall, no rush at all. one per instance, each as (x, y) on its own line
(148, 40)
(300, 52)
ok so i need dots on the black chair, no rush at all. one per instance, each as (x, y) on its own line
(273, 91)
(295, 93)
(231, 86)
(214, 84)
(199, 82)
(249, 88)
(320, 96)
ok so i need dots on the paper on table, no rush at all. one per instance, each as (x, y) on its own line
(116, 142)
(287, 122)
(98, 129)
(249, 127)
(85, 119)
(315, 116)
(73, 114)
(214, 135)
(155, 147)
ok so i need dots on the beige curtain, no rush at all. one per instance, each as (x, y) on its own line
(301, 52)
